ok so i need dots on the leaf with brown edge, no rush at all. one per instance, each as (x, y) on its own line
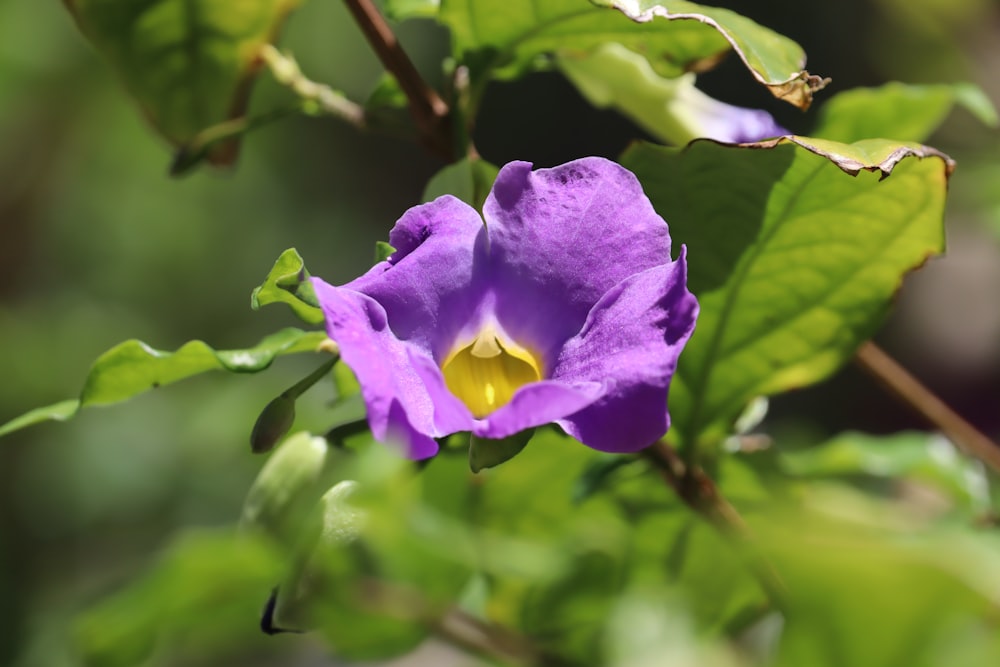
(794, 264)
(774, 60)
(881, 155)
(189, 64)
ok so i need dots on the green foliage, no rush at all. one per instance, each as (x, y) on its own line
(793, 263)
(288, 282)
(903, 112)
(194, 602)
(469, 180)
(863, 551)
(773, 59)
(189, 65)
(928, 460)
(133, 367)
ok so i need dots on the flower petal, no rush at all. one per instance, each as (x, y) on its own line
(562, 237)
(631, 340)
(536, 404)
(432, 284)
(401, 403)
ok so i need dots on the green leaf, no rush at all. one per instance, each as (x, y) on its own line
(923, 457)
(189, 65)
(383, 251)
(288, 282)
(469, 180)
(201, 598)
(398, 10)
(485, 453)
(773, 59)
(869, 586)
(505, 38)
(793, 263)
(904, 112)
(133, 367)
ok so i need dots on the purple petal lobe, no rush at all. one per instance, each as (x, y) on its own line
(393, 374)
(433, 283)
(536, 404)
(560, 238)
(632, 339)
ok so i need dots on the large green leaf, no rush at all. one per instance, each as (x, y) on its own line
(773, 59)
(793, 263)
(872, 586)
(188, 63)
(923, 457)
(904, 112)
(507, 37)
(133, 367)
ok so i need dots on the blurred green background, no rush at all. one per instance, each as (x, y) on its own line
(98, 245)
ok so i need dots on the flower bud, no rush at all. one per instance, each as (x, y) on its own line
(273, 423)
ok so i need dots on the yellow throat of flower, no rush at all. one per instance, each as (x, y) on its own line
(485, 373)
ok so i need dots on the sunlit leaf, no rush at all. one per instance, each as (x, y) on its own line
(924, 457)
(133, 367)
(398, 10)
(793, 262)
(190, 65)
(903, 112)
(774, 60)
(505, 38)
(288, 282)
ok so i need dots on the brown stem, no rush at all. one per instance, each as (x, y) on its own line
(911, 392)
(700, 493)
(429, 111)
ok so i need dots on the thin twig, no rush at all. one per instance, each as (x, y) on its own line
(910, 391)
(697, 490)
(286, 71)
(429, 111)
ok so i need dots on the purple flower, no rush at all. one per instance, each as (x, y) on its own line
(565, 307)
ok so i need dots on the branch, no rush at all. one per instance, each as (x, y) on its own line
(700, 493)
(908, 389)
(429, 111)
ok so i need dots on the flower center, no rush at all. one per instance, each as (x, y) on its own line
(485, 374)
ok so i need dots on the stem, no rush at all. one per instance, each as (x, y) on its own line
(700, 493)
(286, 71)
(429, 111)
(908, 389)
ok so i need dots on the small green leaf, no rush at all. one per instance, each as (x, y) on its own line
(469, 180)
(793, 263)
(904, 112)
(189, 65)
(485, 453)
(133, 367)
(288, 282)
(383, 251)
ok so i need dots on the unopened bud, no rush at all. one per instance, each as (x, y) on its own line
(272, 424)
